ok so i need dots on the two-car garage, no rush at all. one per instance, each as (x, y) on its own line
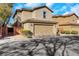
(43, 29)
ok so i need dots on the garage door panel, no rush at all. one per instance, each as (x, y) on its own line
(43, 30)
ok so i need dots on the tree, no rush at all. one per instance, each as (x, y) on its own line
(5, 13)
(5, 10)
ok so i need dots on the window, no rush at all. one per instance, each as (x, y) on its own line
(44, 14)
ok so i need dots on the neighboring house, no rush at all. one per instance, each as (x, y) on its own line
(7, 30)
(3, 28)
(67, 22)
(37, 20)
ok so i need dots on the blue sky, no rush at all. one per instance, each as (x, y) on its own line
(58, 8)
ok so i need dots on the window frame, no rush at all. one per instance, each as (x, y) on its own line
(44, 14)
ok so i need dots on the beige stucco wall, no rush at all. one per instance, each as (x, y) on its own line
(69, 28)
(19, 14)
(26, 15)
(28, 26)
(38, 14)
(63, 20)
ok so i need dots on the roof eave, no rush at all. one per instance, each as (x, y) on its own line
(38, 21)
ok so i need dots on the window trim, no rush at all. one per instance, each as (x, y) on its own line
(44, 14)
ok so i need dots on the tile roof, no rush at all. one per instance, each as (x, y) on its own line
(67, 15)
(73, 24)
(30, 10)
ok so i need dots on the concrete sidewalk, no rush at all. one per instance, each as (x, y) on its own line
(13, 38)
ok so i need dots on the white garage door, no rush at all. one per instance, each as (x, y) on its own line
(43, 30)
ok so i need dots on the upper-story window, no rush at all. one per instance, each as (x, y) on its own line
(44, 14)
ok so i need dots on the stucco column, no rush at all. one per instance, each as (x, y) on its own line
(55, 29)
(14, 30)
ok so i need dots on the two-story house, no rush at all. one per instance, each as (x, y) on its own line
(38, 20)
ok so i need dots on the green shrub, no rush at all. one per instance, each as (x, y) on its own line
(65, 32)
(74, 32)
(62, 32)
(27, 33)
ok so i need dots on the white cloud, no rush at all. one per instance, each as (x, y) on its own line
(39, 4)
(18, 7)
(66, 13)
(75, 9)
(30, 4)
(49, 4)
(56, 12)
(63, 8)
(33, 4)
